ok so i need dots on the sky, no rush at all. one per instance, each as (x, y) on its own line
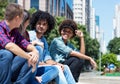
(105, 9)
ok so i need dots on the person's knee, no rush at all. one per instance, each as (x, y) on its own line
(55, 69)
(77, 61)
(7, 55)
(39, 48)
(66, 67)
(82, 61)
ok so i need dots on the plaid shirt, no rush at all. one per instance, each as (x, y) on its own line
(14, 36)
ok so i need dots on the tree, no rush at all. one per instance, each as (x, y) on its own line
(92, 48)
(3, 4)
(114, 46)
(32, 10)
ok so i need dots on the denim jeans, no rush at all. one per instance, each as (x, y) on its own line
(47, 73)
(64, 77)
(6, 58)
(21, 72)
(15, 68)
(40, 50)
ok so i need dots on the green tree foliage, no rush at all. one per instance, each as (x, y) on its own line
(109, 58)
(114, 46)
(11, 1)
(32, 10)
(92, 47)
(3, 4)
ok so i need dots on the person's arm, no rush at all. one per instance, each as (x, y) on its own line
(17, 50)
(82, 56)
(20, 52)
(33, 50)
(31, 57)
(52, 62)
(82, 43)
(82, 48)
(34, 40)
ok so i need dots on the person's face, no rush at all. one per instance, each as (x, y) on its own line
(66, 33)
(41, 26)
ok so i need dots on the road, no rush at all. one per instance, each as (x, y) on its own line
(96, 78)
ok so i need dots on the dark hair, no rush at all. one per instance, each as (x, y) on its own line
(68, 24)
(13, 10)
(26, 16)
(41, 15)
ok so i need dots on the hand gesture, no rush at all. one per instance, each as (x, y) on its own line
(93, 63)
(79, 33)
(33, 60)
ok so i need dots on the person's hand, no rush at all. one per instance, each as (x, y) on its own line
(79, 33)
(33, 60)
(39, 79)
(93, 63)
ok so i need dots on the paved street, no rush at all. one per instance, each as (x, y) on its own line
(95, 78)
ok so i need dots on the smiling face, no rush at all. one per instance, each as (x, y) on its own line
(41, 26)
(66, 34)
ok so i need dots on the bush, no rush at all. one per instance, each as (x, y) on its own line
(107, 59)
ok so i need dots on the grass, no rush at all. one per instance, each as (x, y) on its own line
(113, 74)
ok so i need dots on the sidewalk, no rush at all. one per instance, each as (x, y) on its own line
(96, 78)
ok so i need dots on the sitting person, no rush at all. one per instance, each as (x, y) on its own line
(62, 50)
(15, 62)
(42, 23)
(44, 73)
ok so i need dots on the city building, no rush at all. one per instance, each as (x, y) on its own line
(81, 12)
(54, 7)
(92, 27)
(116, 21)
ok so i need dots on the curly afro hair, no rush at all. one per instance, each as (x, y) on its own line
(41, 15)
(68, 24)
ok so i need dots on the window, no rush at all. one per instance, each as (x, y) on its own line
(34, 4)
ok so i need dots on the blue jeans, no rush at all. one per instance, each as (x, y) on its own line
(64, 77)
(47, 74)
(21, 72)
(40, 50)
(6, 58)
(14, 68)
